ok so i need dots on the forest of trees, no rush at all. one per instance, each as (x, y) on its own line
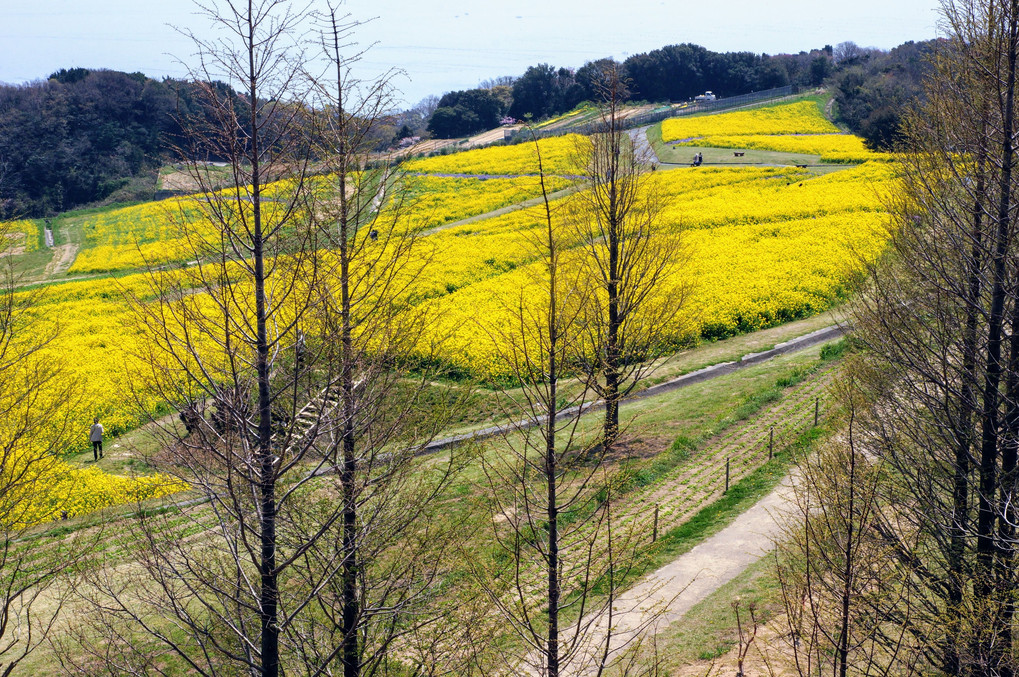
(872, 88)
(81, 135)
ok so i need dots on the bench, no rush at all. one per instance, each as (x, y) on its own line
(737, 154)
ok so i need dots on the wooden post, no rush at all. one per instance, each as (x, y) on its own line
(817, 405)
(654, 532)
(726, 476)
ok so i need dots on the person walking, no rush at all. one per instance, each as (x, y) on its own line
(95, 434)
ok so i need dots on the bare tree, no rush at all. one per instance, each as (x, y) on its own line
(745, 635)
(839, 578)
(849, 52)
(224, 336)
(940, 320)
(551, 494)
(283, 349)
(630, 259)
(387, 548)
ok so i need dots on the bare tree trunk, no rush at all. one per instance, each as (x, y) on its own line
(991, 483)
(614, 233)
(269, 591)
(964, 423)
(551, 456)
(564, 486)
(1007, 482)
(350, 613)
(630, 258)
(351, 655)
(850, 558)
(373, 272)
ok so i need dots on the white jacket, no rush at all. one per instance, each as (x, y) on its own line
(96, 433)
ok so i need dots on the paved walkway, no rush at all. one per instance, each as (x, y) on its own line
(714, 371)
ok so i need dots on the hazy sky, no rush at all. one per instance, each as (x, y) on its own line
(458, 43)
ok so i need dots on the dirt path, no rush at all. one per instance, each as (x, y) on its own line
(63, 257)
(664, 596)
(642, 145)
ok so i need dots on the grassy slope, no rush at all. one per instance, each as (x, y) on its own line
(485, 407)
(707, 412)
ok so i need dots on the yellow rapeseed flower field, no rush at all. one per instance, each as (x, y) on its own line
(763, 245)
(763, 250)
(432, 201)
(838, 147)
(558, 154)
(59, 490)
(90, 336)
(163, 232)
(23, 234)
(802, 117)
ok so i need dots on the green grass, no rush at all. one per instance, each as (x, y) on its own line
(683, 155)
(648, 472)
(484, 407)
(837, 349)
(742, 495)
(31, 264)
(708, 630)
(220, 175)
(698, 411)
(716, 516)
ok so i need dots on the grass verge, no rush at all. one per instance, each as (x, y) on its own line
(718, 515)
(742, 495)
(709, 629)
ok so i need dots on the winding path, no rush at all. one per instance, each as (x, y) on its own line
(665, 595)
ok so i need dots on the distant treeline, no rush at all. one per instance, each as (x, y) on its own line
(871, 86)
(672, 73)
(83, 136)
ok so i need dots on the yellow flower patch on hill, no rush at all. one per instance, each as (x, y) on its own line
(802, 117)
